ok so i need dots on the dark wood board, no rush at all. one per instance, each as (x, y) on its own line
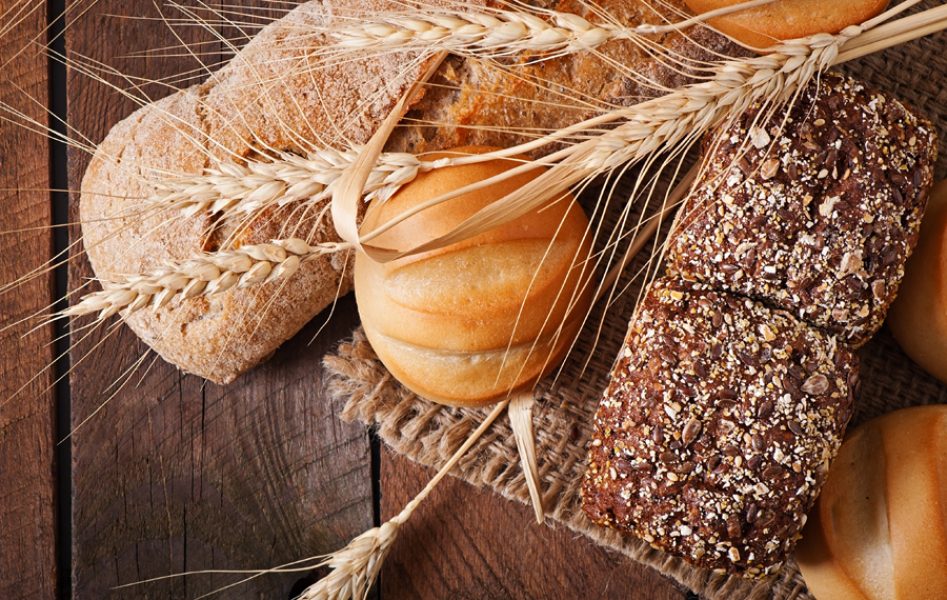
(465, 542)
(27, 414)
(172, 475)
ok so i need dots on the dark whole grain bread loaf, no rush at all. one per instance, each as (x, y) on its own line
(818, 214)
(715, 434)
(736, 380)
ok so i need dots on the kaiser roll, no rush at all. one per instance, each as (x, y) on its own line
(879, 530)
(465, 324)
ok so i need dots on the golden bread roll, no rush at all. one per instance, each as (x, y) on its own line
(918, 318)
(465, 324)
(763, 26)
(879, 530)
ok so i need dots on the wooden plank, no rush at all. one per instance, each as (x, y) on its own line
(172, 475)
(466, 542)
(27, 415)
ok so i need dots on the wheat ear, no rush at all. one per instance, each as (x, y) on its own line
(211, 273)
(249, 186)
(500, 32)
(355, 567)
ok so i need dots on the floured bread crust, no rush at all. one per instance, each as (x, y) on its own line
(267, 96)
(272, 95)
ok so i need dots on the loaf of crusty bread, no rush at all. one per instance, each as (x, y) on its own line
(815, 211)
(715, 433)
(275, 94)
(265, 97)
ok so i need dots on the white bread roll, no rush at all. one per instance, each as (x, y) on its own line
(465, 324)
(879, 530)
(786, 19)
(918, 318)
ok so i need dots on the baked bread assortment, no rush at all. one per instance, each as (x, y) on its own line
(918, 317)
(238, 111)
(735, 383)
(468, 323)
(879, 529)
(222, 335)
(714, 435)
(845, 185)
(765, 25)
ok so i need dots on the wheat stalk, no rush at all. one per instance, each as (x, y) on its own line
(254, 184)
(355, 567)
(211, 273)
(498, 32)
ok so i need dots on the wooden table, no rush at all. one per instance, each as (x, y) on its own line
(168, 473)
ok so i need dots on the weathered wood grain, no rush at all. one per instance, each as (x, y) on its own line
(27, 426)
(172, 475)
(466, 542)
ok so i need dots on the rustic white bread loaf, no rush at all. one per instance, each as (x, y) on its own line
(265, 97)
(273, 95)
(879, 530)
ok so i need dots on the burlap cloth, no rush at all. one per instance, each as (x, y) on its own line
(429, 434)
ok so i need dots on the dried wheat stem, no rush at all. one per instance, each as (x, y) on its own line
(247, 187)
(647, 231)
(355, 567)
(521, 421)
(204, 275)
(502, 32)
(735, 86)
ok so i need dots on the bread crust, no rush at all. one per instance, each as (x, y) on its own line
(242, 107)
(763, 26)
(918, 319)
(815, 211)
(715, 433)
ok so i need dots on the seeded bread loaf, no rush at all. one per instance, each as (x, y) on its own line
(817, 215)
(276, 94)
(735, 384)
(715, 434)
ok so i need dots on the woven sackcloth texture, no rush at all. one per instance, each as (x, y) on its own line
(429, 434)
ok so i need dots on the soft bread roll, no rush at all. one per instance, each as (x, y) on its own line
(918, 318)
(465, 324)
(763, 26)
(879, 530)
